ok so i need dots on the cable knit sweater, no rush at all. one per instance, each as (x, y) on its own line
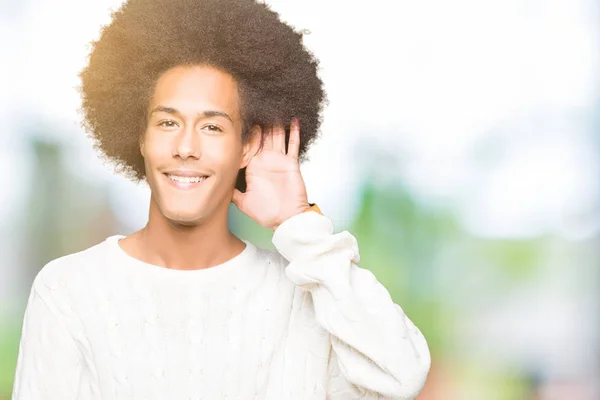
(302, 322)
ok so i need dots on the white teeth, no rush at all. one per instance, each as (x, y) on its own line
(186, 179)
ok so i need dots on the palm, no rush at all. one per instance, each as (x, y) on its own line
(275, 189)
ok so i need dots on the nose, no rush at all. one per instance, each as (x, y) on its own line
(187, 144)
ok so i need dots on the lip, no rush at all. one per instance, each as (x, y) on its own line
(187, 172)
(185, 185)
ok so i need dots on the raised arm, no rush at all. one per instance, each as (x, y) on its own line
(378, 353)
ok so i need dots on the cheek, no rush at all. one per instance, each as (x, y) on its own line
(225, 154)
(154, 150)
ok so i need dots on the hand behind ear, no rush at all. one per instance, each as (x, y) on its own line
(275, 189)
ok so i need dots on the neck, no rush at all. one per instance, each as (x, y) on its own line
(171, 245)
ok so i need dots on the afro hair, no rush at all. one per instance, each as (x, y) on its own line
(276, 75)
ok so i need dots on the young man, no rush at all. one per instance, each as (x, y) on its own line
(194, 97)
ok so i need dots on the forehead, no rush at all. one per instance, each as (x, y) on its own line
(193, 89)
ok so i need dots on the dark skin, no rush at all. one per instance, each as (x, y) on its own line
(194, 130)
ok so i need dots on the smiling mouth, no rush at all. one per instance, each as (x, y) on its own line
(186, 179)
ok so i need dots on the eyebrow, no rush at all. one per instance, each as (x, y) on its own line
(204, 114)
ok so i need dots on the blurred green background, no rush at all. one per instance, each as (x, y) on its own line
(460, 145)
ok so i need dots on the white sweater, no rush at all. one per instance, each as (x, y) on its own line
(304, 322)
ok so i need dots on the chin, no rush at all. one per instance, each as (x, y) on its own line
(183, 223)
(184, 217)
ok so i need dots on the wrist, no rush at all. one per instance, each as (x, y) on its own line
(313, 207)
(305, 208)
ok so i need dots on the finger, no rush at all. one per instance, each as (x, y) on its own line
(279, 139)
(268, 140)
(294, 142)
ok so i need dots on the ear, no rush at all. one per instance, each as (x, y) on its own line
(141, 144)
(252, 145)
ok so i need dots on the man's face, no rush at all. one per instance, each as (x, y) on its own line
(192, 146)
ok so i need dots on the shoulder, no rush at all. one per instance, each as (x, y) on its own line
(275, 264)
(270, 257)
(70, 273)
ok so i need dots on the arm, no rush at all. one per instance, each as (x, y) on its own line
(49, 362)
(377, 351)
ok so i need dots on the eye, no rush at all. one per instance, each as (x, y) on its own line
(167, 123)
(213, 128)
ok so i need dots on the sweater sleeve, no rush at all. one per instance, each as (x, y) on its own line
(377, 352)
(48, 364)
